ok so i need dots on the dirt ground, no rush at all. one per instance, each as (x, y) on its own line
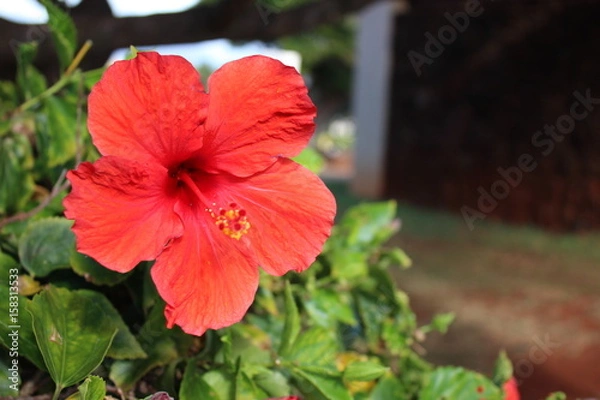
(536, 297)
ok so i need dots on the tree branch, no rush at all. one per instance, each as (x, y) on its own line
(230, 19)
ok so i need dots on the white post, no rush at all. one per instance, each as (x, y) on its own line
(372, 82)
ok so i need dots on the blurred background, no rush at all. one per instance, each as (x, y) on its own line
(481, 117)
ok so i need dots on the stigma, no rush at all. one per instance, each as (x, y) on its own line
(232, 221)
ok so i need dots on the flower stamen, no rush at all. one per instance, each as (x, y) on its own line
(232, 221)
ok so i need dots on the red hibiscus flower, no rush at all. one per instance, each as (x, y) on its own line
(511, 392)
(200, 181)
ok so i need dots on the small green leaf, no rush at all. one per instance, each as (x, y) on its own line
(272, 382)
(441, 322)
(372, 314)
(348, 263)
(193, 386)
(364, 371)
(246, 388)
(46, 246)
(29, 79)
(127, 373)
(390, 388)
(320, 386)
(326, 307)
(9, 99)
(457, 383)
(55, 136)
(72, 332)
(124, 345)
(16, 180)
(221, 382)
(370, 223)
(251, 344)
(93, 388)
(315, 347)
(292, 321)
(311, 159)
(396, 256)
(64, 33)
(160, 344)
(93, 271)
(503, 370)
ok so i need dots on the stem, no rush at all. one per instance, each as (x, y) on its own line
(78, 57)
(59, 186)
(62, 82)
(57, 392)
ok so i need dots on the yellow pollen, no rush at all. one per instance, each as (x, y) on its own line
(233, 221)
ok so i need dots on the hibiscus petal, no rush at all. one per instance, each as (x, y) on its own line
(122, 211)
(207, 279)
(289, 209)
(259, 109)
(148, 108)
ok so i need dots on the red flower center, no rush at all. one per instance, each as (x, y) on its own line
(232, 220)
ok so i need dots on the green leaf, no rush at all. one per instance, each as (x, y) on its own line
(72, 332)
(315, 347)
(160, 344)
(46, 246)
(320, 386)
(503, 370)
(221, 382)
(370, 223)
(64, 33)
(246, 388)
(348, 263)
(93, 271)
(272, 382)
(251, 344)
(126, 374)
(193, 386)
(311, 159)
(326, 307)
(93, 388)
(389, 388)
(18, 322)
(29, 79)
(292, 321)
(457, 383)
(364, 371)
(396, 256)
(9, 99)
(372, 314)
(16, 181)
(124, 345)
(55, 136)
(441, 322)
